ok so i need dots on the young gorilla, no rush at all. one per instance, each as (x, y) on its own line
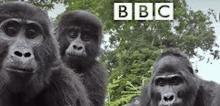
(31, 71)
(175, 83)
(79, 34)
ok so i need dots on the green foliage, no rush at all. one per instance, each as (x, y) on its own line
(128, 76)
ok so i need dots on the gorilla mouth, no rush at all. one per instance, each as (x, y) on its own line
(21, 70)
(74, 55)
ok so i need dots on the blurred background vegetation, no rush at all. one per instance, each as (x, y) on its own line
(135, 45)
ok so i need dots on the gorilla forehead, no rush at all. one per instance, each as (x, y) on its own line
(171, 64)
(80, 17)
(24, 11)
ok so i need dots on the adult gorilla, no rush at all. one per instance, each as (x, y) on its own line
(175, 83)
(79, 34)
(31, 72)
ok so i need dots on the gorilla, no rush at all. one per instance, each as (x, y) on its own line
(79, 34)
(175, 83)
(31, 69)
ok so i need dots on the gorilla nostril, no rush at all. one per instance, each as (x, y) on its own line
(28, 54)
(165, 98)
(17, 53)
(74, 46)
(171, 98)
(79, 48)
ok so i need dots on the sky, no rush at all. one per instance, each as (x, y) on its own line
(58, 9)
(207, 71)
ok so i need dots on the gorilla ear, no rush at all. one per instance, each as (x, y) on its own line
(146, 97)
(191, 70)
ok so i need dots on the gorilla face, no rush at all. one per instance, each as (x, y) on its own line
(79, 34)
(174, 83)
(24, 41)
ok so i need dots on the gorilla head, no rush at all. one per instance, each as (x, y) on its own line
(174, 82)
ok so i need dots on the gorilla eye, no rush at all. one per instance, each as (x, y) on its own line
(176, 80)
(85, 37)
(160, 82)
(31, 33)
(11, 31)
(73, 34)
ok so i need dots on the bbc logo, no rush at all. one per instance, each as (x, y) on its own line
(143, 11)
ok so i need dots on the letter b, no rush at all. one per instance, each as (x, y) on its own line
(122, 11)
(143, 11)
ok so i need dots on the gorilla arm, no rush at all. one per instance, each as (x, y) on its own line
(69, 86)
(94, 81)
(208, 94)
(145, 98)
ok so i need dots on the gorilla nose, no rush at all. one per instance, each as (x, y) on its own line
(22, 54)
(77, 47)
(169, 98)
